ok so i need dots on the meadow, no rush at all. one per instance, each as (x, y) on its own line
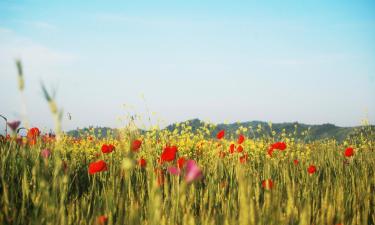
(185, 177)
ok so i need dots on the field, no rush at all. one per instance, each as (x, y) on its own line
(181, 177)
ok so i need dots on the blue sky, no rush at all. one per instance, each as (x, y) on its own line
(280, 61)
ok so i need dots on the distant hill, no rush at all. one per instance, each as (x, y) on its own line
(256, 129)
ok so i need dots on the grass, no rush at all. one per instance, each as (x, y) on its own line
(59, 190)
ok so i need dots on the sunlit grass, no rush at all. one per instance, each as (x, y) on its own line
(59, 190)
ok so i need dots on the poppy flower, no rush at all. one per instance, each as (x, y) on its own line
(169, 154)
(240, 148)
(241, 139)
(231, 148)
(181, 162)
(295, 162)
(270, 151)
(174, 171)
(14, 125)
(279, 146)
(45, 153)
(102, 220)
(193, 172)
(97, 166)
(220, 135)
(108, 148)
(349, 152)
(267, 184)
(32, 135)
(243, 159)
(142, 162)
(311, 169)
(136, 145)
(33, 132)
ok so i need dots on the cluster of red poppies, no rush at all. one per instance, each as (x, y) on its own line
(233, 147)
(281, 146)
(166, 161)
(32, 137)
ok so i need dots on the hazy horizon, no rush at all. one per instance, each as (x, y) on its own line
(311, 62)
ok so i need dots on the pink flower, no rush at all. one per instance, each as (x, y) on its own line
(193, 172)
(14, 125)
(174, 171)
(45, 153)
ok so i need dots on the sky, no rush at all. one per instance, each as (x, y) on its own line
(221, 61)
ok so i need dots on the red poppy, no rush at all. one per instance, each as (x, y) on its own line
(349, 152)
(267, 184)
(231, 148)
(181, 162)
(97, 166)
(169, 154)
(33, 132)
(243, 159)
(32, 135)
(102, 220)
(221, 134)
(270, 151)
(241, 139)
(108, 148)
(279, 146)
(142, 162)
(295, 162)
(311, 169)
(136, 145)
(240, 148)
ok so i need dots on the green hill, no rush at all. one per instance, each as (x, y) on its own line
(255, 129)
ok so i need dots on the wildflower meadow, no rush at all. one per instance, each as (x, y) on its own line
(160, 112)
(162, 176)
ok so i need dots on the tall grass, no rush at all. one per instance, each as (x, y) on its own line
(59, 190)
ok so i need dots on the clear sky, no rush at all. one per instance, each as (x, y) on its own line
(281, 61)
